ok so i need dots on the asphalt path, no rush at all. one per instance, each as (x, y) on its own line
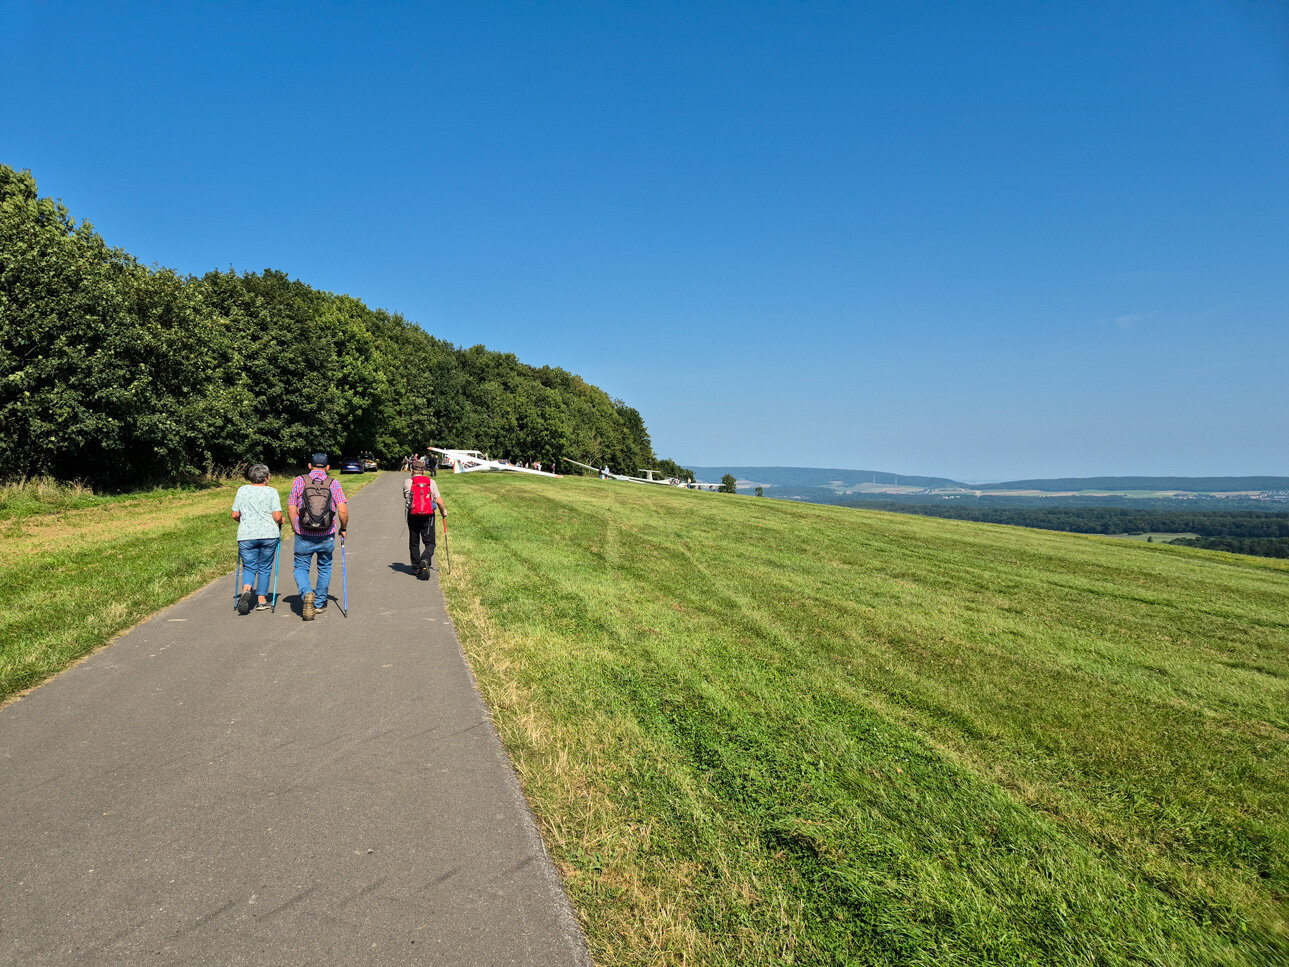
(216, 789)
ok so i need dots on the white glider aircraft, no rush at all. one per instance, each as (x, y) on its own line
(472, 461)
(648, 478)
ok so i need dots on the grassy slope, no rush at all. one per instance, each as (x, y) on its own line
(763, 732)
(79, 569)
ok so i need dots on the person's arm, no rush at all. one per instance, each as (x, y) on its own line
(342, 507)
(292, 507)
(237, 516)
(277, 517)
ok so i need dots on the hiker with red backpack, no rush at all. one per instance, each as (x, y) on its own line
(318, 512)
(420, 497)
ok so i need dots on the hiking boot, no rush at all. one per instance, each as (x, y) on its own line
(245, 601)
(423, 573)
(320, 612)
(308, 611)
(262, 606)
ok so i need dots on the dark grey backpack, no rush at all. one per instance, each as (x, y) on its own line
(317, 510)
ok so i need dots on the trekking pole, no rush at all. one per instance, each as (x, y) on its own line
(344, 579)
(277, 551)
(447, 551)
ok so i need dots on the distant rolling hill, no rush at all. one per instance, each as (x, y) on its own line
(803, 478)
(1186, 484)
(796, 477)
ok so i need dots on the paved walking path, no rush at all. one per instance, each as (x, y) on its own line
(213, 789)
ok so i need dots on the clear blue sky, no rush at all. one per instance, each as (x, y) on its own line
(979, 240)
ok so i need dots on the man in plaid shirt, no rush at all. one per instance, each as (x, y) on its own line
(310, 540)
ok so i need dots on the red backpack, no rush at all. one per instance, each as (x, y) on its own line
(422, 495)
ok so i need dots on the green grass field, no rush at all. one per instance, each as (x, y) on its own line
(78, 569)
(760, 732)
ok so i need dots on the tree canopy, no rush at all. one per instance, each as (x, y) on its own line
(123, 375)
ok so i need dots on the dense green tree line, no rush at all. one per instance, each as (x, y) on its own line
(1263, 533)
(119, 374)
(1256, 546)
(1115, 520)
(670, 468)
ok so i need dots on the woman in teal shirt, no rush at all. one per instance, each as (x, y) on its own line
(257, 508)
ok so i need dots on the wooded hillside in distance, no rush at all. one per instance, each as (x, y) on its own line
(794, 477)
(119, 374)
(1185, 484)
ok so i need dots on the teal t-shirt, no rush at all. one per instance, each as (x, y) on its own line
(256, 505)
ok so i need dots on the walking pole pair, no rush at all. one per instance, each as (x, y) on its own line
(277, 551)
(344, 579)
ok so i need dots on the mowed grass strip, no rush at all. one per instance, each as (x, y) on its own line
(758, 732)
(78, 570)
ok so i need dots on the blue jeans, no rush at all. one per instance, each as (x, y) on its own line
(257, 562)
(306, 546)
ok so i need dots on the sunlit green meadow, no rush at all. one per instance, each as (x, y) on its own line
(759, 732)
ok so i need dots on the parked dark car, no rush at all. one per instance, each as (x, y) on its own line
(351, 465)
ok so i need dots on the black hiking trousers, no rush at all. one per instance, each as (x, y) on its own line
(420, 530)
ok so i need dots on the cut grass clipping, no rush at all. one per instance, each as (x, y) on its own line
(758, 732)
(78, 569)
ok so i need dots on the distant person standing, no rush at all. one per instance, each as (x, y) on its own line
(257, 508)
(432, 464)
(318, 512)
(420, 498)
